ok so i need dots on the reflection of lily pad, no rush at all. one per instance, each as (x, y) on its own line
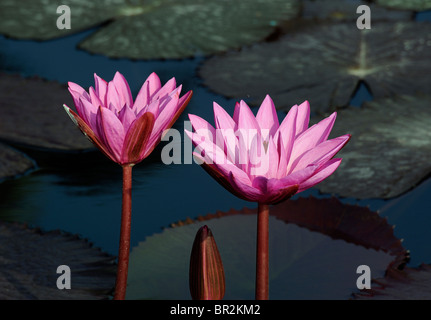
(31, 114)
(152, 29)
(389, 151)
(416, 5)
(304, 264)
(406, 284)
(325, 64)
(13, 163)
(29, 260)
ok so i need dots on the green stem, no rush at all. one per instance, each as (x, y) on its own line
(124, 247)
(262, 253)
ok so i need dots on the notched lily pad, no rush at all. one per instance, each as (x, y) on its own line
(30, 258)
(324, 64)
(152, 29)
(389, 151)
(31, 114)
(13, 163)
(406, 284)
(315, 247)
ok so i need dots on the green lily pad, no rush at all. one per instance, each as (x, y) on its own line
(31, 114)
(13, 163)
(37, 20)
(389, 151)
(152, 29)
(345, 10)
(416, 5)
(325, 64)
(30, 258)
(315, 249)
(406, 284)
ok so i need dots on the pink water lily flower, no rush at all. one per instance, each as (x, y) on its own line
(260, 160)
(126, 131)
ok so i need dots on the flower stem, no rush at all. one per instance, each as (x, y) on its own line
(262, 253)
(124, 248)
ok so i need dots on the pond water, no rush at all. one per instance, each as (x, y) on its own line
(81, 193)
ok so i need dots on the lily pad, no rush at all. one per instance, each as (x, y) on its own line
(31, 114)
(345, 10)
(416, 5)
(325, 64)
(151, 29)
(406, 284)
(30, 258)
(13, 163)
(389, 151)
(304, 264)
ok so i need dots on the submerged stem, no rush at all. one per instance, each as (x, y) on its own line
(262, 253)
(124, 247)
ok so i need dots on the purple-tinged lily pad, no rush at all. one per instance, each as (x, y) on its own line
(30, 258)
(13, 163)
(416, 5)
(406, 284)
(389, 151)
(315, 249)
(151, 29)
(31, 114)
(325, 64)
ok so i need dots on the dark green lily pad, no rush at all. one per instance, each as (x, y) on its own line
(389, 151)
(315, 248)
(406, 284)
(30, 258)
(325, 64)
(416, 5)
(37, 20)
(13, 163)
(152, 29)
(31, 114)
(345, 10)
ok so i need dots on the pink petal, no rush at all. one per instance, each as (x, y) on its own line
(303, 117)
(292, 179)
(322, 173)
(113, 98)
(236, 113)
(88, 112)
(200, 124)
(246, 119)
(123, 89)
(154, 84)
(101, 88)
(162, 122)
(245, 191)
(110, 130)
(321, 153)
(77, 91)
(165, 90)
(267, 117)
(142, 99)
(312, 137)
(95, 99)
(127, 117)
(222, 119)
(286, 132)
